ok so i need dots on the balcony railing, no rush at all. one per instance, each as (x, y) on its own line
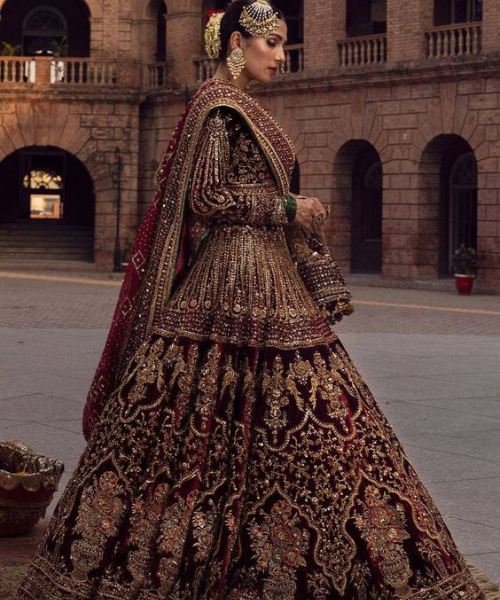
(58, 71)
(205, 68)
(363, 51)
(156, 76)
(294, 63)
(464, 39)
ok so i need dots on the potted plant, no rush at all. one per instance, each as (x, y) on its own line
(466, 262)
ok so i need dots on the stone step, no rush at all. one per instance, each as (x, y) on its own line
(54, 241)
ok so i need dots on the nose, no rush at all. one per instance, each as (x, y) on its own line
(281, 58)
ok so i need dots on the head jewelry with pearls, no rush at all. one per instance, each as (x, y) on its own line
(258, 19)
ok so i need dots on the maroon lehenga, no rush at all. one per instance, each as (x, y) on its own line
(234, 451)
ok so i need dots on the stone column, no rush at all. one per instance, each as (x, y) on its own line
(406, 29)
(324, 25)
(491, 26)
(184, 22)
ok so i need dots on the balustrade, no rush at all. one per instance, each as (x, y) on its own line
(156, 75)
(57, 71)
(464, 39)
(363, 51)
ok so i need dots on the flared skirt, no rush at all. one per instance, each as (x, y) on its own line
(219, 472)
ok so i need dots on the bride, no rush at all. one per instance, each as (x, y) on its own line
(234, 452)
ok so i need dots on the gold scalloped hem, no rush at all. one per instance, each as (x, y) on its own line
(462, 586)
(44, 582)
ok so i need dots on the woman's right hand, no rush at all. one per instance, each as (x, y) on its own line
(310, 213)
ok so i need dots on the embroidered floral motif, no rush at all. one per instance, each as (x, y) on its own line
(173, 532)
(144, 526)
(383, 526)
(99, 517)
(204, 522)
(274, 388)
(279, 545)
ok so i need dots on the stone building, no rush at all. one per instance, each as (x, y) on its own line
(394, 113)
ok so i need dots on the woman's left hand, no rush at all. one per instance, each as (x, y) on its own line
(311, 214)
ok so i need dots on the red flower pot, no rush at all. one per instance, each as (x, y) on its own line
(464, 284)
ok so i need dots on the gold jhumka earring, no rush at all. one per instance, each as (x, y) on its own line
(236, 62)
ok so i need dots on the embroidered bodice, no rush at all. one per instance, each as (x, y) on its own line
(243, 286)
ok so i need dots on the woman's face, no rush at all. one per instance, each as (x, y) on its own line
(264, 55)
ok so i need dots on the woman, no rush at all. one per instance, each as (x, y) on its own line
(234, 452)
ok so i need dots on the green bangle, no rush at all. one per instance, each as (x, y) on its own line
(290, 208)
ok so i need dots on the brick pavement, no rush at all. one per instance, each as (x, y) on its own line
(431, 359)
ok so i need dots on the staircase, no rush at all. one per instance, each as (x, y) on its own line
(43, 240)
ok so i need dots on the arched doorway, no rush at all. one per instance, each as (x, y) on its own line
(48, 192)
(47, 27)
(359, 189)
(449, 185)
(458, 206)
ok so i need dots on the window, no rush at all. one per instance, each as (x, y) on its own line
(45, 32)
(449, 12)
(366, 17)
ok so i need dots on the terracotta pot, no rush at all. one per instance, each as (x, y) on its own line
(27, 484)
(464, 283)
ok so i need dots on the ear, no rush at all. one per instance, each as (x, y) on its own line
(235, 40)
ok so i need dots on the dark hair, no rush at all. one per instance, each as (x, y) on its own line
(231, 23)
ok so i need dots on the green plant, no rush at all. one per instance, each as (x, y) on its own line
(466, 260)
(127, 249)
(61, 48)
(9, 49)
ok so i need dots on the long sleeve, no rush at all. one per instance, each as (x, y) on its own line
(319, 272)
(231, 178)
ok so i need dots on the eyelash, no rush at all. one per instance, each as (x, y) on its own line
(271, 43)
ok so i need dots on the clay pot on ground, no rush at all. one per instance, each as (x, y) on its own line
(464, 283)
(28, 482)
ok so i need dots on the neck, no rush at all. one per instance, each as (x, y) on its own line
(223, 72)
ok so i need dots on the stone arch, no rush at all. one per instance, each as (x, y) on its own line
(48, 206)
(47, 124)
(357, 206)
(52, 124)
(440, 199)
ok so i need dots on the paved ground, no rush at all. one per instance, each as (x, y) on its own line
(431, 358)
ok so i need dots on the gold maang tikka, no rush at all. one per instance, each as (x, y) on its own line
(259, 19)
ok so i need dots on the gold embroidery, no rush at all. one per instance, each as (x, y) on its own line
(99, 517)
(383, 526)
(174, 528)
(279, 545)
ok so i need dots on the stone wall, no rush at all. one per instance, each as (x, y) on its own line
(406, 107)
